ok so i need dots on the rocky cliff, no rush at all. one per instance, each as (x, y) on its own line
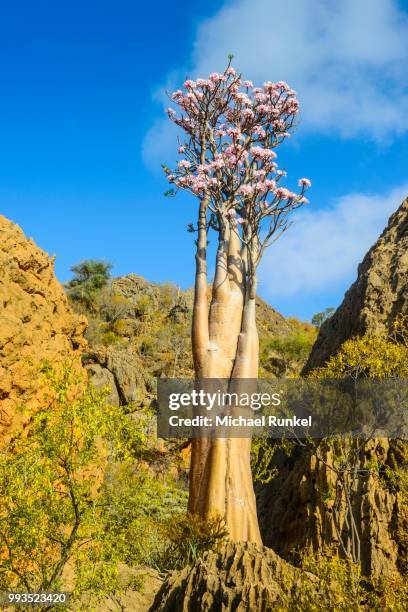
(379, 294)
(36, 324)
(295, 508)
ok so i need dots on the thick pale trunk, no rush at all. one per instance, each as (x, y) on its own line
(225, 347)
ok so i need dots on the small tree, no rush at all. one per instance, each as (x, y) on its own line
(228, 163)
(91, 275)
(320, 317)
(53, 510)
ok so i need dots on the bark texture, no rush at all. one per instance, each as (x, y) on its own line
(225, 346)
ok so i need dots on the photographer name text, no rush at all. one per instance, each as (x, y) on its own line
(239, 421)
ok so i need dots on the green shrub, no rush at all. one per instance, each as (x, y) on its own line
(138, 502)
(293, 348)
(335, 584)
(55, 483)
(189, 536)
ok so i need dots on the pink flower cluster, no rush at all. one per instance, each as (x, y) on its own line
(304, 182)
(284, 194)
(232, 130)
(263, 154)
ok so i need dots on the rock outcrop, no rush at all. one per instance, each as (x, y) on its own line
(376, 298)
(240, 577)
(36, 324)
(295, 508)
(144, 310)
(120, 369)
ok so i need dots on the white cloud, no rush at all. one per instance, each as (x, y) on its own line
(159, 144)
(323, 248)
(346, 58)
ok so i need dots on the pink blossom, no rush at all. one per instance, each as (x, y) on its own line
(270, 184)
(171, 112)
(216, 77)
(246, 127)
(243, 98)
(261, 187)
(184, 163)
(231, 161)
(259, 130)
(282, 193)
(264, 186)
(279, 126)
(218, 163)
(262, 109)
(257, 151)
(198, 183)
(197, 187)
(205, 83)
(261, 97)
(240, 220)
(304, 182)
(248, 113)
(246, 190)
(234, 132)
(261, 153)
(269, 86)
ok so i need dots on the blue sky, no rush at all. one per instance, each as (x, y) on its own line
(82, 130)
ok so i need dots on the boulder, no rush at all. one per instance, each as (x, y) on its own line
(120, 368)
(102, 379)
(239, 577)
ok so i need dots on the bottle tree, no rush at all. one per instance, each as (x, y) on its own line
(228, 162)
